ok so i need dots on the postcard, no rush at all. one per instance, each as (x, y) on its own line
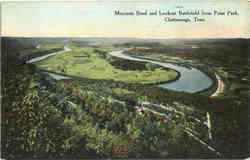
(125, 79)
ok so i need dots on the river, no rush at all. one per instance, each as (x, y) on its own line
(191, 79)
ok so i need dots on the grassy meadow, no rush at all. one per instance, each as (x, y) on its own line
(88, 63)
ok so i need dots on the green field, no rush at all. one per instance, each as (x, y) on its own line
(86, 62)
(49, 46)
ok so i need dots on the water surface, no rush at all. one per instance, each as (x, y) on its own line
(191, 79)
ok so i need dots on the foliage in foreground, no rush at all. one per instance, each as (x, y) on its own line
(45, 121)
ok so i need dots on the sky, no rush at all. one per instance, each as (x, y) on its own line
(97, 19)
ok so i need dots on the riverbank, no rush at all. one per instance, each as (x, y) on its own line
(220, 88)
(37, 58)
(61, 76)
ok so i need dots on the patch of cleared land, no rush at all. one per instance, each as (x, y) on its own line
(86, 62)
